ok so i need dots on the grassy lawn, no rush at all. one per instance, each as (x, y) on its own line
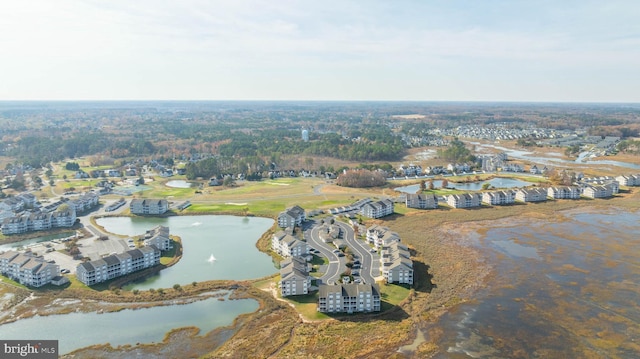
(12, 282)
(307, 306)
(168, 256)
(77, 184)
(392, 294)
(76, 284)
(319, 260)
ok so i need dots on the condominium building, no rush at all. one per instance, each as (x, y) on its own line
(465, 200)
(27, 269)
(563, 192)
(381, 236)
(38, 221)
(287, 245)
(629, 180)
(291, 217)
(159, 237)
(148, 206)
(349, 298)
(396, 265)
(598, 191)
(294, 277)
(117, 265)
(421, 201)
(377, 209)
(499, 197)
(531, 195)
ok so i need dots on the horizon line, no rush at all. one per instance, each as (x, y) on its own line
(325, 100)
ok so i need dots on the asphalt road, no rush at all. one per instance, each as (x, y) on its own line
(336, 264)
(368, 261)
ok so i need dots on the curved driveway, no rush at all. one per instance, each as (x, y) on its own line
(336, 264)
(368, 261)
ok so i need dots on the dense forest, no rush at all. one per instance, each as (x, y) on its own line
(250, 136)
(456, 152)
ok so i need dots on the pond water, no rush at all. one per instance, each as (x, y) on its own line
(229, 239)
(178, 184)
(564, 289)
(27, 242)
(497, 182)
(78, 330)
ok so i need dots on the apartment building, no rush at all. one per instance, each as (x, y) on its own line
(291, 217)
(381, 236)
(396, 264)
(148, 206)
(377, 209)
(27, 269)
(421, 201)
(38, 221)
(159, 237)
(294, 277)
(349, 298)
(117, 265)
(287, 245)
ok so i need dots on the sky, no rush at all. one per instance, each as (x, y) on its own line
(538, 51)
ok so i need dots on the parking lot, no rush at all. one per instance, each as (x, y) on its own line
(63, 260)
(95, 248)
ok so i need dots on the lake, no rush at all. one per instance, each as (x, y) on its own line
(231, 240)
(146, 325)
(497, 182)
(566, 288)
(178, 184)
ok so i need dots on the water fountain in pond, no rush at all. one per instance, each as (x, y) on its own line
(211, 259)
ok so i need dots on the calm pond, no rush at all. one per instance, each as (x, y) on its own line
(497, 182)
(178, 184)
(78, 330)
(214, 247)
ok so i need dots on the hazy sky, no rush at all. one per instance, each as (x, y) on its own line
(321, 50)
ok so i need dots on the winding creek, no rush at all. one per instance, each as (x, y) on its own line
(528, 156)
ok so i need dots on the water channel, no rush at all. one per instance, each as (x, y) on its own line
(78, 330)
(27, 242)
(230, 240)
(497, 182)
(527, 155)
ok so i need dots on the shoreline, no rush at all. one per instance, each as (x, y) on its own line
(455, 268)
